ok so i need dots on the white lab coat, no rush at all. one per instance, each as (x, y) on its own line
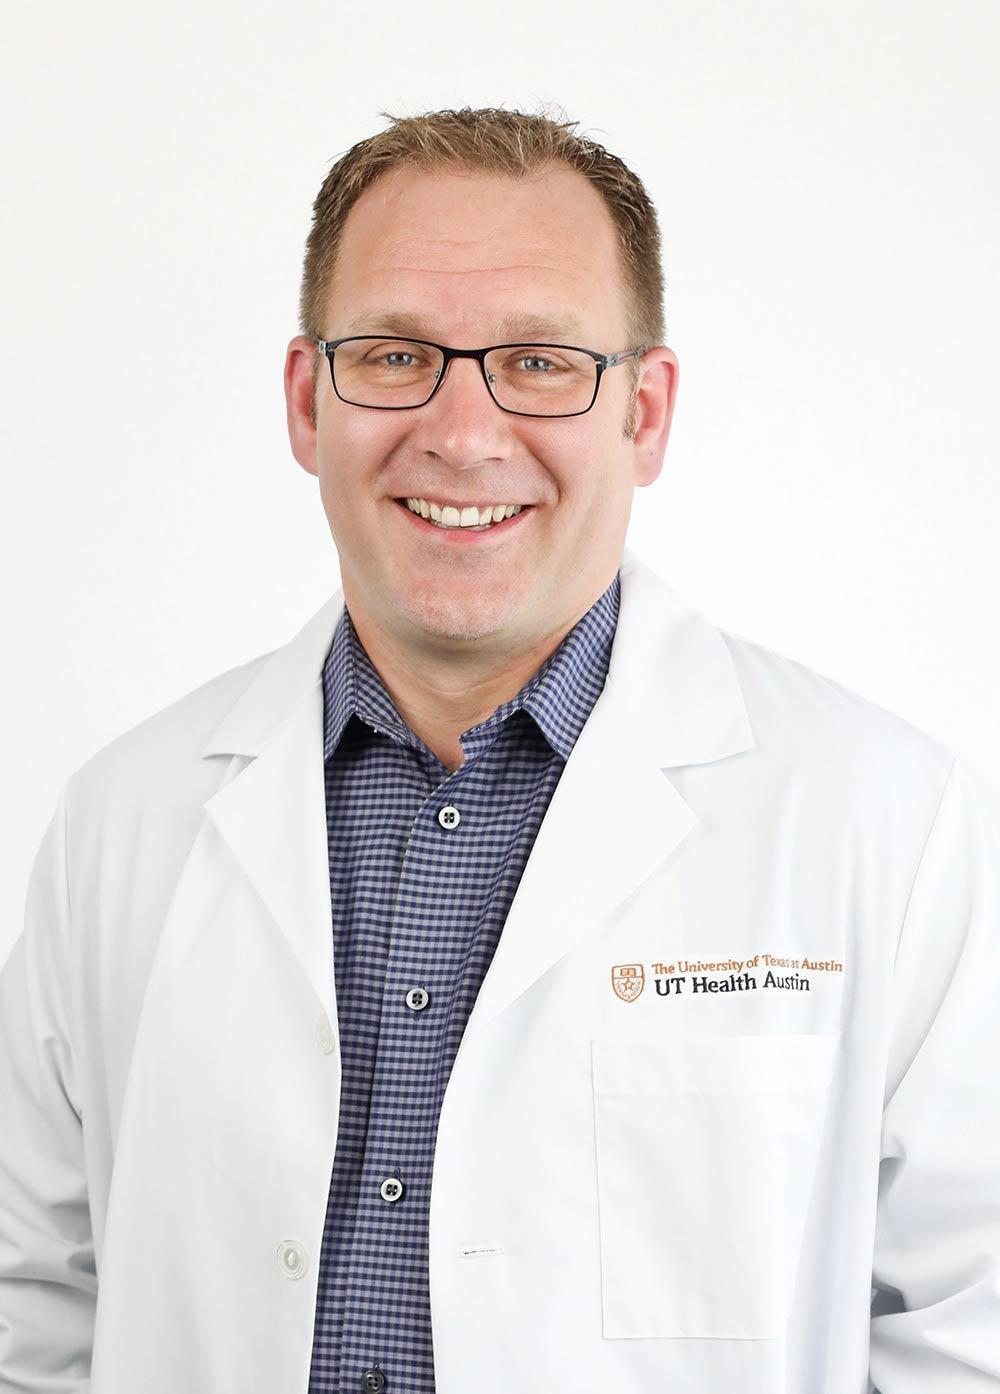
(641, 1181)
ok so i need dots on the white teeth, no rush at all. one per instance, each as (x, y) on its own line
(470, 517)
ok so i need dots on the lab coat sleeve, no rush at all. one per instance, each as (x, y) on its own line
(48, 1283)
(935, 1324)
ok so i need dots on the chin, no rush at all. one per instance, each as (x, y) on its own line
(458, 616)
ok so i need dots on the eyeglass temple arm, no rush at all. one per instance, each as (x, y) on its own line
(611, 360)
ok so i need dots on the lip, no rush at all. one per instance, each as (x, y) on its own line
(464, 536)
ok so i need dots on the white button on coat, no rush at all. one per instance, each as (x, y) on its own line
(417, 999)
(391, 1188)
(324, 1035)
(292, 1258)
(449, 816)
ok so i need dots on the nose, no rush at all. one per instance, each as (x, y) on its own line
(462, 424)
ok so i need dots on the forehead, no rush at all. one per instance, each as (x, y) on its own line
(476, 254)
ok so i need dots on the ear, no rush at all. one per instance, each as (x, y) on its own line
(653, 412)
(300, 376)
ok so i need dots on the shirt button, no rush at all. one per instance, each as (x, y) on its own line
(372, 1379)
(391, 1188)
(324, 1035)
(417, 999)
(292, 1258)
(449, 816)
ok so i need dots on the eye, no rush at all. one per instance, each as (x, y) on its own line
(537, 358)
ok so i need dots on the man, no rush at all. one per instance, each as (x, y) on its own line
(513, 982)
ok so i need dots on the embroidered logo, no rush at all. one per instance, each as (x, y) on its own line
(628, 980)
(684, 977)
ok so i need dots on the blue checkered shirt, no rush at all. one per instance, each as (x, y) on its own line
(419, 899)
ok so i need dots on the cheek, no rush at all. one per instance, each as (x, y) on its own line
(604, 498)
(352, 450)
(564, 453)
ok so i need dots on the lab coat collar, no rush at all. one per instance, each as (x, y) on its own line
(672, 698)
(558, 696)
(671, 679)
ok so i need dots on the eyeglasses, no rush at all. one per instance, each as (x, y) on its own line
(372, 370)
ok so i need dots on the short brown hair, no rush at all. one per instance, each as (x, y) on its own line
(495, 141)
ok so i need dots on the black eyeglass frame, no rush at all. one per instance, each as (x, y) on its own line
(603, 361)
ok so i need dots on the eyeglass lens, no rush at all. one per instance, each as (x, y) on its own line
(524, 377)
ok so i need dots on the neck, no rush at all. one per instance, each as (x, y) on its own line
(441, 694)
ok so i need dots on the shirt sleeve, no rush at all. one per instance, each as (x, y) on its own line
(48, 1283)
(935, 1325)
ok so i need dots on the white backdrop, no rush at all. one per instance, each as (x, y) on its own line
(826, 177)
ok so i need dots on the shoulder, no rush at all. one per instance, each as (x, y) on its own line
(160, 756)
(809, 720)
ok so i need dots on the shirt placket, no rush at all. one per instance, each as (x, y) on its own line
(389, 1262)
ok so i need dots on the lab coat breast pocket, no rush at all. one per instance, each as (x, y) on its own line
(706, 1152)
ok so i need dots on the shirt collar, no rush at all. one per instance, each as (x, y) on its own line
(559, 697)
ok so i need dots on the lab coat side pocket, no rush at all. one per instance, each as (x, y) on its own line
(706, 1152)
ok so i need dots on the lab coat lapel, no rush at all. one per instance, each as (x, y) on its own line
(672, 698)
(272, 814)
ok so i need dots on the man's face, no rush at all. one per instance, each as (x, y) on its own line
(465, 253)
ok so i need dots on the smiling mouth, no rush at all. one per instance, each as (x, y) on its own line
(458, 521)
(455, 533)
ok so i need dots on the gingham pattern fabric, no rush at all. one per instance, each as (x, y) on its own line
(418, 903)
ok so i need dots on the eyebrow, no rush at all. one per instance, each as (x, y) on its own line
(520, 327)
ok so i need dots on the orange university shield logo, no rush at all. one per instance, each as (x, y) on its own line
(628, 980)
